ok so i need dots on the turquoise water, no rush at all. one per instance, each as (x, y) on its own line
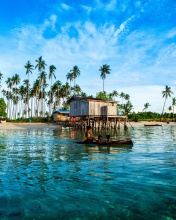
(44, 174)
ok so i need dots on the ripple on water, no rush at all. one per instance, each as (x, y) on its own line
(44, 174)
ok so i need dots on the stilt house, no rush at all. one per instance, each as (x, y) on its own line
(98, 113)
(92, 107)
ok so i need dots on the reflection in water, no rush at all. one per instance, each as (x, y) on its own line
(44, 174)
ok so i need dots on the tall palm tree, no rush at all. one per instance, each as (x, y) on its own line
(77, 90)
(166, 93)
(29, 68)
(70, 76)
(52, 69)
(173, 105)
(40, 64)
(122, 95)
(41, 67)
(170, 109)
(105, 69)
(114, 94)
(76, 72)
(1, 76)
(146, 105)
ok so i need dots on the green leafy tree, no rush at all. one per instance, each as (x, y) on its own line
(2, 108)
(103, 95)
(105, 69)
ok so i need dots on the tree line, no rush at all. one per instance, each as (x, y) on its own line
(44, 96)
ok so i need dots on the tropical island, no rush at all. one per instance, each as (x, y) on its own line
(27, 102)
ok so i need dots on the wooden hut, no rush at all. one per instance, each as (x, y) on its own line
(94, 111)
(61, 116)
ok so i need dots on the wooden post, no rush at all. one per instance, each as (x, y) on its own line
(125, 123)
(118, 123)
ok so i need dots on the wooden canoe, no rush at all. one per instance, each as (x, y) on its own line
(118, 142)
(152, 125)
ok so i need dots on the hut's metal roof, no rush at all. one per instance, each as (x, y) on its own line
(62, 111)
(89, 99)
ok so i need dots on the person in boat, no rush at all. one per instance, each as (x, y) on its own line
(87, 136)
(108, 138)
(99, 141)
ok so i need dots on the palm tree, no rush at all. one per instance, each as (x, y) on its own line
(122, 95)
(41, 67)
(170, 109)
(173, 105)
(166, 93)
(127, 107)
(105, 69)
(146, 105)
(29, 68)
(40, 64)
(52, 69)
(1, 76)
(114, 94)
(76, 72)
(77, 90)
(127, 97)
(70, 76)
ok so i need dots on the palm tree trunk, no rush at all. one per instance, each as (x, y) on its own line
(163, 108)
(103, 85)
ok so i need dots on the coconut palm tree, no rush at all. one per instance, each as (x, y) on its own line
(105, 69)
(173, 105)
(76, 72)
(166, 93)
(170, 109)
(77, 90)
(40, 64)
(29, 68)
(70, 76)
(122, 95)
(1, 76)
(114, 94)
(127, 97)
(146, 105)
(52, 69)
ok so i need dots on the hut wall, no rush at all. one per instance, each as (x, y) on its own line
(79, 108)
(102, 108)
(60, 117)
(92, 108)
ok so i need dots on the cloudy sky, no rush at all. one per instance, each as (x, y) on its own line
(136, 38)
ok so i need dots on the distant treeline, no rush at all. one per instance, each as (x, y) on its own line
(145, 116)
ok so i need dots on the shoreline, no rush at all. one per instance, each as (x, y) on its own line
(24, 126)
(39, 125)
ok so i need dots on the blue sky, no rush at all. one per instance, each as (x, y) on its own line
(137, 39)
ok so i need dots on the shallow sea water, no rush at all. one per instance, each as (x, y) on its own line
(44, 174)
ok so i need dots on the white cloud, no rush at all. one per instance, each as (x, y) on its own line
(65, 6)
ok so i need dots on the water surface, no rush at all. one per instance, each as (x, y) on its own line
(44, 174)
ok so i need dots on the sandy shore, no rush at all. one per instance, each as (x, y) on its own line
(22, 126)
(18, 126)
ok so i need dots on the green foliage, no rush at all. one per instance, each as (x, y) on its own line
(2, 107)
(103, 95)
(142, 116)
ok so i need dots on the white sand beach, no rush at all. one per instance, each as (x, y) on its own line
(22, 126)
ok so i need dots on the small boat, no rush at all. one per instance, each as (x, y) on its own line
(118, 142)
(152, 125)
